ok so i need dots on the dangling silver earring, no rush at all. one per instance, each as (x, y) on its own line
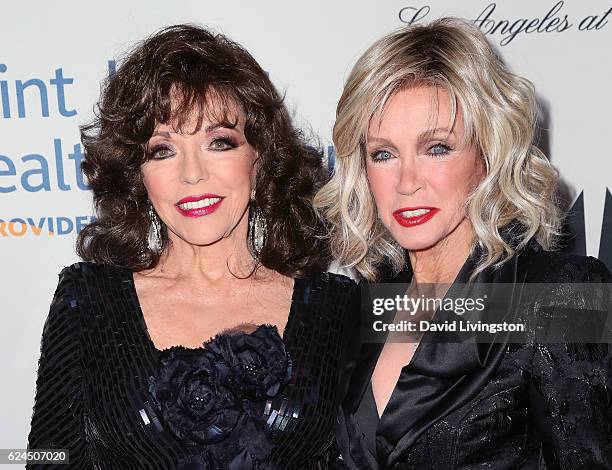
(154, 238)
(257, 227)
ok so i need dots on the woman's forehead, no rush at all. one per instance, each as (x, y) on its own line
(426, 106)
(192, 109)
(209, 113)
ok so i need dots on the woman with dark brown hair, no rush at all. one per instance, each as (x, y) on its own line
(201, 331)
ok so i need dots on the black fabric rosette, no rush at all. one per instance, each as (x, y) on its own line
(194, 403)
(206, 396)
(259, 364)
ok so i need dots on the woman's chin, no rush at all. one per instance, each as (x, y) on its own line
(415, 247)
(201, 239)
(416, 241)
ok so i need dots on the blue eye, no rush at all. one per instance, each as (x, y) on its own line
(439, 150)
(380, 156)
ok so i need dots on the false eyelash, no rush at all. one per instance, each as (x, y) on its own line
(230, 141)
(156, 148)
(374, 159)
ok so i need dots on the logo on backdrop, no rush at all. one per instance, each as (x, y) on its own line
(32, 173)
(58, 168)
(555, 20)
(575, 241)
(43, 226)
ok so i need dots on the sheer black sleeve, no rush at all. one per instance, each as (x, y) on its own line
(57, 419)
(571, 393)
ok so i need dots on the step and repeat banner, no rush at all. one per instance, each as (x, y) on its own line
(54, 55)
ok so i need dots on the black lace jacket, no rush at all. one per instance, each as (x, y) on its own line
(496, 406)
(242, 401)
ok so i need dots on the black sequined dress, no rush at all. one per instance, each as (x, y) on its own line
(105, 393)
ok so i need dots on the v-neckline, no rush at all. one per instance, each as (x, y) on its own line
(461, 275)
(395, 389)
(145, 329)
(450, 376)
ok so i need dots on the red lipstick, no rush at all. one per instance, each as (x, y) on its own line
(417, 219)
(198, 210)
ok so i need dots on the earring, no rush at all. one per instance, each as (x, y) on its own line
(257, 227)
(154, 237)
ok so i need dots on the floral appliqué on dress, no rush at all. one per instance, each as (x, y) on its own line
(208, 397)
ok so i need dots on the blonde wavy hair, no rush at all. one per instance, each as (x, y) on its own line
(499, 112)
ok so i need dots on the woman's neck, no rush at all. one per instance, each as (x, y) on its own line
(227, 258)
(442, 262)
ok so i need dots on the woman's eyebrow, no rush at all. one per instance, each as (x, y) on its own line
(430, 133)
(165, 134)
(422, 137)
(218, 125)
(378, 140)
(209, 128)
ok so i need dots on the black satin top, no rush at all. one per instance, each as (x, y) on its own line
(494, 406)
(98, 372)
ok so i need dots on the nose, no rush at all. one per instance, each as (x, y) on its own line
(193, 167)
(410, 178)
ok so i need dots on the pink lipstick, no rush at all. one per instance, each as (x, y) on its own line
(419, 217)
(197, 206)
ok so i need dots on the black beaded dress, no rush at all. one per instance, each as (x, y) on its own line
(241, 401)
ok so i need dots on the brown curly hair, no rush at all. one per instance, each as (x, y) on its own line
(199, 64)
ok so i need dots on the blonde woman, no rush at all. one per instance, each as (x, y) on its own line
(438, 181)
